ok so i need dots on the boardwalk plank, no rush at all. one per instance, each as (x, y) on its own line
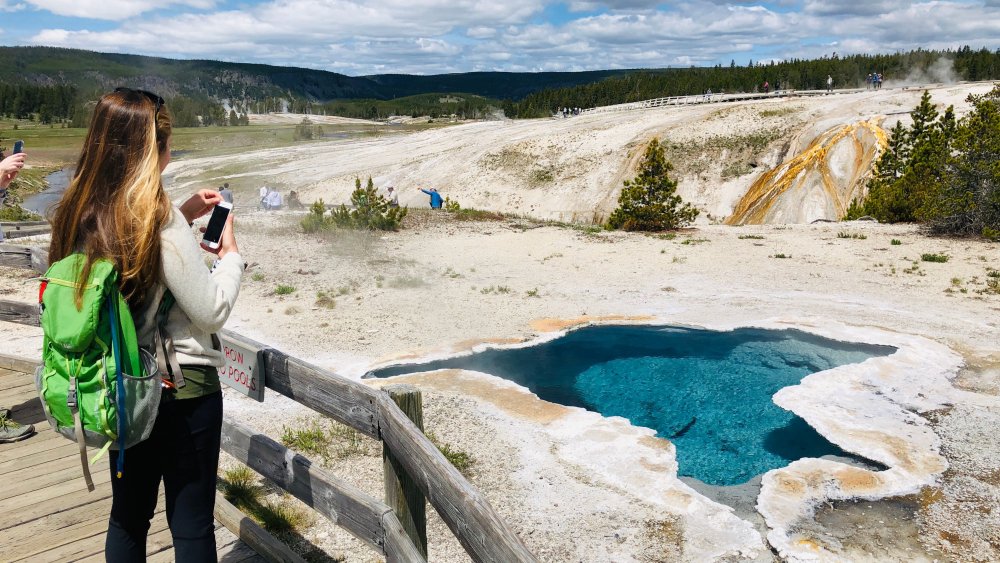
(51, 506)
(46, 512)
(35, 459)
(101, 478)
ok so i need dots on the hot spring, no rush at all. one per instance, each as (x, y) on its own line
(707, 392)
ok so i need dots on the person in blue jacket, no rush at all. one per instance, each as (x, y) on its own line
(436, 199)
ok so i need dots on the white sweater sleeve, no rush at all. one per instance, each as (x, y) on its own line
(207, 298)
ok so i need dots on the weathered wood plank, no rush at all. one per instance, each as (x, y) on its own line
(26, 231)
(326, 393)
(26, 481)
(44, 440)
(19, 312)
(341, 502)
(252, 534)
(15, 463)
(62, 523)
(18, 363)
(401, 492)
(463, 508)
(399, 548)
(38, 510)
(27, 257)
(101, 477)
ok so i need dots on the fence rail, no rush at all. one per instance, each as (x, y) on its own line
(469, 515)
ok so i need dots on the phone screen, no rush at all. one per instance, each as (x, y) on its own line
(216, 224)
(18, 147)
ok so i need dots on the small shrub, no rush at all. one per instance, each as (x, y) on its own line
(284, 289)
(349, 442)
(781, 255)
(239, 486)
(857, 236)
(371, 211)
(695, 241)
(292, 310)
(532, 293)
(450, 205)
(325, 300)
(751, 237)
(503, 289)
(280, 518)
(312, 440)
(895, 242)
(934, 257)
(257, 276)
(461, 460)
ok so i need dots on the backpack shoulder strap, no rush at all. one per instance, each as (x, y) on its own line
(166, 355)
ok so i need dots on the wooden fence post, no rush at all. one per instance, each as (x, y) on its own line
(401, 492)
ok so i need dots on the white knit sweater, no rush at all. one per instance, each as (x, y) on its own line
(204, 299)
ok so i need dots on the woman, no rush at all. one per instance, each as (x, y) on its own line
(115, 208)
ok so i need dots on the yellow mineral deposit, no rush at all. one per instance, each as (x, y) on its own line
(818, 183)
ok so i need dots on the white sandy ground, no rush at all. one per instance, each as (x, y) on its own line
(576, 486)
(567, 480)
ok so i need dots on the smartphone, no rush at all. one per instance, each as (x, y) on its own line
(18, 147)
(213, 233)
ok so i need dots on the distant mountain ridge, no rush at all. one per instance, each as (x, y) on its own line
(93, 71)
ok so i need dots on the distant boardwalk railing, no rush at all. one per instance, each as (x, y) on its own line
(471, 518)
(707, 99)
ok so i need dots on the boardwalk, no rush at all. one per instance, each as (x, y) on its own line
(46, 513)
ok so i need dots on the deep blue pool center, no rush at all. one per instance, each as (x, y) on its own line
(708, 392)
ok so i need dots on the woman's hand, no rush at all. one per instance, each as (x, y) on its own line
(200, 204)
(9, 167)
(227, 243)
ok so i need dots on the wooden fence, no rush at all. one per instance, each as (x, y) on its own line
(20, 229)
(374, 413)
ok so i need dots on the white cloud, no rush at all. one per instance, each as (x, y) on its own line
(112, 9)
(431, 36)
(8, 6)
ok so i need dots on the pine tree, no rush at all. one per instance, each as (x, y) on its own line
(649, 202)
(969, 200)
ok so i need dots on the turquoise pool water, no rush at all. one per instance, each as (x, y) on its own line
(708, 392)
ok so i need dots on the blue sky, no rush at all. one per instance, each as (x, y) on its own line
(359, 37)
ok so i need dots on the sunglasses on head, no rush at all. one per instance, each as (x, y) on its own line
(157, 100)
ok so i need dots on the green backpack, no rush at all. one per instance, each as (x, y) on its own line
(97, 386)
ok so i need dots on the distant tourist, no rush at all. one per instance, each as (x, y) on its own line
(868, 81)
(393, 196)
(226, 193)
(293, 200)
(272, 200)
(878, 81)
(263, 194)
(767, 87)
(829, 83)
(436, 200)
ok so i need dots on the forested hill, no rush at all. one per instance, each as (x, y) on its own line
(91, 71)
(904, 68)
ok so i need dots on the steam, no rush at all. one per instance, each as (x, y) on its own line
(941, 71)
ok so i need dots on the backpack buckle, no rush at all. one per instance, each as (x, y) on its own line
(71, 394)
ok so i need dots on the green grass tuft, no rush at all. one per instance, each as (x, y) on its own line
(941, 258)
(284, 289)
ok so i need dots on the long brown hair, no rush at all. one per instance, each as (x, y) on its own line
(115, 206)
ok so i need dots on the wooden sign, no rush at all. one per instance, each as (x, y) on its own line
(244, 367)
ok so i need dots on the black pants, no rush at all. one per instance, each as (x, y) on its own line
(183, 450)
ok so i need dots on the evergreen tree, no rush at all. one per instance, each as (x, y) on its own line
(649, 202)
(969, 201)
